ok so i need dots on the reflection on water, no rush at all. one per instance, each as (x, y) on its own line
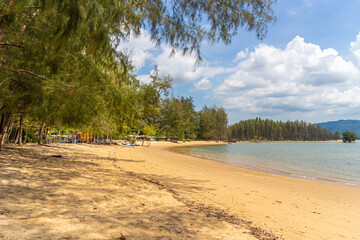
(326, 161)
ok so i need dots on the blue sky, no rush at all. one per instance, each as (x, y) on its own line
(307, 67)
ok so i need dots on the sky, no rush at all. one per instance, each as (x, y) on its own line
(306, 68)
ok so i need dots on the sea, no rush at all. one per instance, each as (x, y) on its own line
(333, 162)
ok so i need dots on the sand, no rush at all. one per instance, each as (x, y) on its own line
(123, 192)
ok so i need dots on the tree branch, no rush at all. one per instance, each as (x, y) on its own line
(47, 79)
(44, 78)
(37, 7)
(12, 45)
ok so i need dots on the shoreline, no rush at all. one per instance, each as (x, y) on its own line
(295, 208)
(280, 172)
(99, 191)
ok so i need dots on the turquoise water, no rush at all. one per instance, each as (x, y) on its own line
(325, 161)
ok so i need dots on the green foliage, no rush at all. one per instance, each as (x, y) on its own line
(59, 63)
(212, 123)
(178, 118)
(267, 129)
(349, 136)
(336, 135)
(150, 130)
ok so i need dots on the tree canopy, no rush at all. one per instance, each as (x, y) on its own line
(59, 64)
(349, 136)
(270, 130)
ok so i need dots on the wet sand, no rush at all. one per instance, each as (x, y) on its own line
(105, 192)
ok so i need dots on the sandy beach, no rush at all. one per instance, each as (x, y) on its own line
(83, 191)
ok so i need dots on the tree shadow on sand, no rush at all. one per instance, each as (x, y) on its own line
(82, 196)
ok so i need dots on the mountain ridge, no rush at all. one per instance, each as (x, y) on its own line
(342, 125)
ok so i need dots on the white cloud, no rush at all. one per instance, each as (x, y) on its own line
(181, 67)
(139, 48)
(203, 84)
(300, 78)
(145, 78)
(241, 55)
(355, 48)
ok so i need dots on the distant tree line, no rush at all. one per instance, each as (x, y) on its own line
(270, 130)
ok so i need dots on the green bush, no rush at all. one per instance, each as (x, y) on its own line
(349, 137)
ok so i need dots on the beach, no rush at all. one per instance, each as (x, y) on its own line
(84, 191)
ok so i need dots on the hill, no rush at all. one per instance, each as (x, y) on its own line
(342, 125)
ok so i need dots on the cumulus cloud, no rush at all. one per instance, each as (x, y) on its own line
(241, 55)
(302, 77)
(145, 78)
(355, 48)
(182, 68)
(139, 48)
(203, 84)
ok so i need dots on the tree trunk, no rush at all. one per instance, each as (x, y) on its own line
(20, 129)
(17, 136)
(73, 137)
(49, 138)
(41, 133)
(6, 138)
(25, 137)
(5, 120)
(46, 135)
(60, 135)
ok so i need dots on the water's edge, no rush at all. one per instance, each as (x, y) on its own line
(264, 169)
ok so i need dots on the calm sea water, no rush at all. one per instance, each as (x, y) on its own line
(330, 161)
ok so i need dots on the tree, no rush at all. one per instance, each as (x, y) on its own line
(336, 135)
(149, 99)
(222, 122)
(212, 123)
(178, 118)
(277, 130)
(59, 63)
(349, 137)
(171, 121)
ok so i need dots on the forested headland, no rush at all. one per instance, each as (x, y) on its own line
(61, 71)
(269, 130)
